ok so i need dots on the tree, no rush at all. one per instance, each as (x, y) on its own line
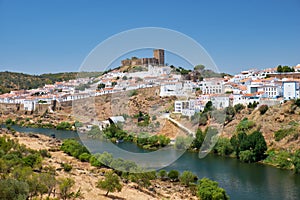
(223, 147)
(65, 185)
(210, 190)
(173, 175)
(101, 86)
(12, 189)
(208, 107)
(197, 142)
(279, 68)
(187, 177)
(111, 183)
(238, 107)
(199, 67)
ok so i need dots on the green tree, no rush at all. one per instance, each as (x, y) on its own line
(111, 183)
(279, 69)
(238, 107)
(65, 186)
(210, 190)
(199, 67)
(187, 177)
(223, 147)
(101, 86)
(208, 107)
(197, 142)
(12, 189)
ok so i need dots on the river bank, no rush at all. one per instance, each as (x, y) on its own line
(86, 176)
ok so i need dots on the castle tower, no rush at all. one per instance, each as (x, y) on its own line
(159, 54)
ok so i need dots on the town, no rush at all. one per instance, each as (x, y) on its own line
(269, 86)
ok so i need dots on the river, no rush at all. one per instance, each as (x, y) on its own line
(241, 181)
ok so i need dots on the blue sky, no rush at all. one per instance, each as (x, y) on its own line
(55, 36)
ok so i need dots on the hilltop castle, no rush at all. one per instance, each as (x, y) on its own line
(158, 59)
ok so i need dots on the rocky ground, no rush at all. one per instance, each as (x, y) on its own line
(86, 176)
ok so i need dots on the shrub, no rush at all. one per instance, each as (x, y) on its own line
(132, 93)
(247, 156)
(173, 175)
(210, 190)
(67, 167)
(223, 147)
(64, 126)
(111, 183)
(73, 148)
(187, 178)
(238, 107)
(84, 157)
(263, 109)
(162, 174)
(282, 133)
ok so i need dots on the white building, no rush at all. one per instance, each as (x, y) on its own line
(272, 91)
(290, 90)
(212, 86)
(30, 105)
(186, 107)
(220, 101)
(171, 89)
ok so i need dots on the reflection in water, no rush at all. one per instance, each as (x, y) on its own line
(240, 180)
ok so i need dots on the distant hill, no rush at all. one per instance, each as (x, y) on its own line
(17, 81)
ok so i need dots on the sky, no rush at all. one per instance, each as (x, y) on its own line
(56, 36)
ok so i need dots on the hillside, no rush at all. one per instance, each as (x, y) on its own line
(280, 125)
(17, 81)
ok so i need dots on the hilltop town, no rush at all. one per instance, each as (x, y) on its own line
(269, 86)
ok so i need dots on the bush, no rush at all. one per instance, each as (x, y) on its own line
(111, 183)
(84, 157)
(263, 109)
(173, 175)
(13, 189)
(64, 126)
(247, 156)
(133, 93)
(73, 148)
(94, 161)
(223, 147)
(187, 178)
(162, 174)
(210, 190)
(238, 107)
(67, 167)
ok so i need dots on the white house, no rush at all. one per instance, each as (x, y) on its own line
(220, 101)
(30, 104)
(290, 89)
(185, 107)
(171, 89)
(212, 86)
